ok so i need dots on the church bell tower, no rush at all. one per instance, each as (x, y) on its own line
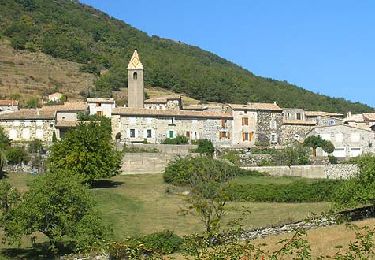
(135, 82)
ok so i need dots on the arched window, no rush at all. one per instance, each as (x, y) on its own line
(135, 76)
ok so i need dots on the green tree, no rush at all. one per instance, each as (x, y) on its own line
(205, 147)
(17, 155)
(87, 150)
(315, 142)
(60, 207)
(9, 196)
(4, 140)
(359, 190)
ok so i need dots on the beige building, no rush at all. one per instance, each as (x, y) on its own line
(101, 106)
(163, 103)
(8, 105)
(256, 123)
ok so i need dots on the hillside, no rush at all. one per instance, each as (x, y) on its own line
(25, 75)
(75, 32)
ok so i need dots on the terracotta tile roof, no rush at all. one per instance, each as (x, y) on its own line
(100, 100)
(299, 122)
(369, 116)
(162, 99)
(8, 102)
(322, 113)
(173, 113)
(68, 106)
(28, 114)
(256, 106)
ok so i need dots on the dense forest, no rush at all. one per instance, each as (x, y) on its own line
(76, 32)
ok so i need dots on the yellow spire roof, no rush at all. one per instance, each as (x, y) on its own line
(135, 62)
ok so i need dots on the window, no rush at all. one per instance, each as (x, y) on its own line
(132, 133)
(188, 134)
(149, 133)
(245, 121)
(223, 135)
(171, 134)
(299, 117)
(223, 123)
(135, 75)
(172, 122)
(273, 124)
(245, 136)
(98, 104)
(99, 113)
(274, 138)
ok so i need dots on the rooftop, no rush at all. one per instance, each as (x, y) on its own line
(28, 114)
(162, 99)
(299, 122)
(322, 113)
(100, 100)
(67, 106)
(169, 113)
(8, 102)
(257, 106)
(369, 116)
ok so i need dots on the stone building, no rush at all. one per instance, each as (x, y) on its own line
(101, 106)
(324, 118)
(163, 103)
(364, 121)
(131, 125)
(7, 105)
(55, 97)
(295, 131)
(135, 82)
(348, 141)
(256, 123)
(29, 124)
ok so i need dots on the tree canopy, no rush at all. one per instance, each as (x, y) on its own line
(61, 208)
(315, 142)
(76, 32)
(87, 150)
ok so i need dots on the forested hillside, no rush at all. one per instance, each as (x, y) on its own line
(75, 32)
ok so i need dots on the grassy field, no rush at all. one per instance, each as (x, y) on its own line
(138, 204)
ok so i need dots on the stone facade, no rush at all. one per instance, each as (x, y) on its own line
(269, 128)
(101, 106)
(133, 126)
(170, 103)
(291, 133)
(135, 82)
(348, 141)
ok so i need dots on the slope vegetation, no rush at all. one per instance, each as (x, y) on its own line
(76, 32)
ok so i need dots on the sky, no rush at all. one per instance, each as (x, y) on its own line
(326, 46)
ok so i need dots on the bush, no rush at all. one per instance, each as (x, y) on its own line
(205, 147)
(299, 191)
(165, 242)
(180, 139)
(332, 159)
(232, 156)
(17, 155)
(146, 247)
(180, 171)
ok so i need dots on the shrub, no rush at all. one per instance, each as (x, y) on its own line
(17, 155)
(180, 139)
(205, 147)
(332, 159)
(165, 242)
(299, 191)
(180, 171)
(232, 156)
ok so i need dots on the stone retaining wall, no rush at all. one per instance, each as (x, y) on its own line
(338, 171)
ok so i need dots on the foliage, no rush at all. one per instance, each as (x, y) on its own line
(360, 189)
(315, 142)
(87, 150)
(17, 155)
(32, 103)
(295, 155)
(131, 249)
(332, 159)
(165, 242)
(9, 197)
(139, 149)
(61, 208)
(180, 139)
(232, 157)
(76, 32)
(35, 146)
(181, 170)
(4, 140)
(298, 191)
(205, 147)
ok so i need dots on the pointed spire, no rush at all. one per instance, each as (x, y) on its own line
(135, 62)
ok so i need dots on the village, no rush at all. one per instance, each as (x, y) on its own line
(230, 126)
